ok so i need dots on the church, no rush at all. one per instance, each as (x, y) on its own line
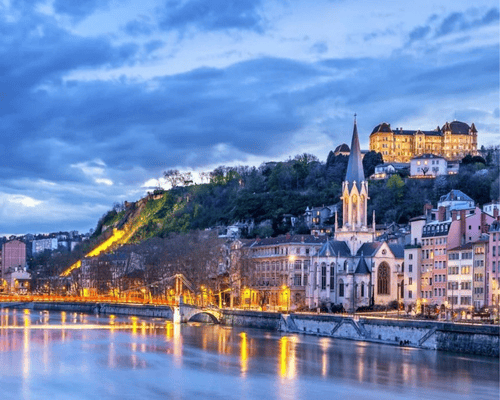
(354, 269)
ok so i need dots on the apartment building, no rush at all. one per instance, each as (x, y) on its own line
(460, 275)
(479, 292)
(493, 265)
(281, 269)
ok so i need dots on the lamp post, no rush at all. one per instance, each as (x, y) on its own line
(400, 286)
(452, 299)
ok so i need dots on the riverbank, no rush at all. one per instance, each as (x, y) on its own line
(441, 336)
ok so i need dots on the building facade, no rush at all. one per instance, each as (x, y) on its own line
(493, 266)
(428, 166)
(281, 271)
(13, 256)
(454, 140)
(40, 245)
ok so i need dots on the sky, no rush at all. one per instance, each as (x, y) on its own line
(99, 97)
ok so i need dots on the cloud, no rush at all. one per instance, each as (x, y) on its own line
(19, 200)
(139, 27)
(211, 15)
(453, 23)
(319, 47)
(78, 145)
(79, 9)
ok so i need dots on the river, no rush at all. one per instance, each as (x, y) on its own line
(78, 356)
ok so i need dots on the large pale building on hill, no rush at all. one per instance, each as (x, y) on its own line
(453, 141)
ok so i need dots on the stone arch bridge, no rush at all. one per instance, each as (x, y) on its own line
(185, 312)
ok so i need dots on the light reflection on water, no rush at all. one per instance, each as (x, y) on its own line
(51, 355)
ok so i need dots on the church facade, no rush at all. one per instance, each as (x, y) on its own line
(354, 269)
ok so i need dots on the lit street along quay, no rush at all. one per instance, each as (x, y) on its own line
(78, 356)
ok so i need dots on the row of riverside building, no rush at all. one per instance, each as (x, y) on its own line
(453, 257)
(449, 260)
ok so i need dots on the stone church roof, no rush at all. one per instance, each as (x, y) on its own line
(333, 248)
(368, 249)
(362, 267)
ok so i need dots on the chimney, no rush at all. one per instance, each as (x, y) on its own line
(462, 227)
(441, 213)
(484, 226)
(427, 207)
(288, 236)
(454, 215)
(428, 211)
(495, 213)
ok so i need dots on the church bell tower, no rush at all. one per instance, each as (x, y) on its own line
(355, 230)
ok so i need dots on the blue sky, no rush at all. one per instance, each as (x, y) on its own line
(98, 97)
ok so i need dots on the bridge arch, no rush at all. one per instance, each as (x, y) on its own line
(212, 317)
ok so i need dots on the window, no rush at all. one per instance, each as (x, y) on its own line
(362, 289)
(410, 281)
(410, 268)
(341, 288)
(383, 279)
(410, 257)
(332, 276)
(323, 276)
(410, 294)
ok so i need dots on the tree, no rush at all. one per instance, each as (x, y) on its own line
(173, 177)
(370, 161)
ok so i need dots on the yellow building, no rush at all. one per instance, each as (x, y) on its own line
(453, 141)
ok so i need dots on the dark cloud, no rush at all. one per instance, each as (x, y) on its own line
(139, 27)
(78, 133)
(452, 23)
(79, 9)
(319, 47)
(211, 15)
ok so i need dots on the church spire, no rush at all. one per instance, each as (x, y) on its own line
(354, 164)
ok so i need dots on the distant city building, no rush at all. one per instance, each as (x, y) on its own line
(385, 170)
(40, 245)
(453, 141)
(319, 217)
(342, 149)
(13, 256)
(492, 209)
(428, 165)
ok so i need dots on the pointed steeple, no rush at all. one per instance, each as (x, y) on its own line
(355, 164)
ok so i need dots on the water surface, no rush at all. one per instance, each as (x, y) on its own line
(77, 356)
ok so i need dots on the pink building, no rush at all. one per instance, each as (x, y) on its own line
(493, 264)
(13, 255)
(466, 225)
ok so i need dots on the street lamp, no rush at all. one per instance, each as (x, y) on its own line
(286, 296)
(400, 286)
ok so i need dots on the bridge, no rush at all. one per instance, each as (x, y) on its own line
(185, 312)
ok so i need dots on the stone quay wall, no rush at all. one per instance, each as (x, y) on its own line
(461, 338)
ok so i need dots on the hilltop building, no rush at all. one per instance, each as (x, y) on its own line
(453, 141)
